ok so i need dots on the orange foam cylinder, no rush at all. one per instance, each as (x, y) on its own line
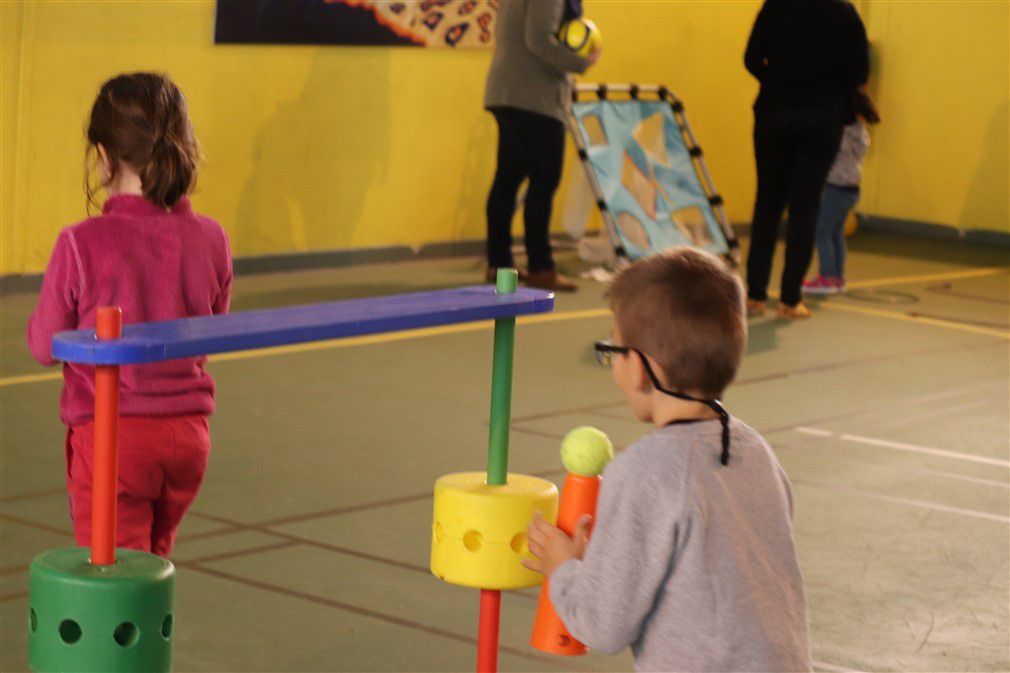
(578, 497)
(106, 460)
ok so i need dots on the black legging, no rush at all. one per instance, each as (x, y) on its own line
(530, 146)
(794, 150)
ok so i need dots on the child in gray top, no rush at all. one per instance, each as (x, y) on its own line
(691, 561)
(841, 194)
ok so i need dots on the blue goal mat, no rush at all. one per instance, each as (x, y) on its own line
(647, 171)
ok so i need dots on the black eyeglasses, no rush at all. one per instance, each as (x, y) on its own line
(607, 349)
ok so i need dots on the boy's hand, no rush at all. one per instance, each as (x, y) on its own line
(552, 546)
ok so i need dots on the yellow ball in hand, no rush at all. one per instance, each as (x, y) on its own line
(581, 36)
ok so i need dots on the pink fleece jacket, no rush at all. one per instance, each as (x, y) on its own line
(155, 265)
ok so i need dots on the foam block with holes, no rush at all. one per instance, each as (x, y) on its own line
(115, 618)
(479, 531)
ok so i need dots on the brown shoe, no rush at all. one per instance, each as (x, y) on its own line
(755, 308)
(797, 312)
(491, 275)
(550, 280)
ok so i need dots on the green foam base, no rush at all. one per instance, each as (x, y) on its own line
(116, 618)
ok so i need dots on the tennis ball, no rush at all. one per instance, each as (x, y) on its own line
(586, 451)
(581, 36)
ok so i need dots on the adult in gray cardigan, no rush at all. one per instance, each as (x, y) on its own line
(528, 91)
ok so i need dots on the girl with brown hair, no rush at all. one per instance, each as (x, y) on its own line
(151, 255)
(841, 194)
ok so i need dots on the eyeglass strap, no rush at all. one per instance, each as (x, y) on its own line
(714, 405)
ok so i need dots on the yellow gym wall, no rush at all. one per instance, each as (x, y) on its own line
(318, 148)
(941, 79)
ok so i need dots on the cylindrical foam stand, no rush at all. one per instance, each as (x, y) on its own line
(101, 611)
(578, 497)
(90, 618)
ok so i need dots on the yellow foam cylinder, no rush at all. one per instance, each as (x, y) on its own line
(478, 532)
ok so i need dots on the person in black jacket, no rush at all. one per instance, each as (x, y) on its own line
(810, 56)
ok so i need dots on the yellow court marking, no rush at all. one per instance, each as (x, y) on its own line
(571, 315)
(565, 315)
(30, 378)
(903, 280)
(935, 322)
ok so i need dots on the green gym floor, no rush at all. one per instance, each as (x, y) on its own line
(307, 548)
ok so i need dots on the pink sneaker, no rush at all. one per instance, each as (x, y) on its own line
(820, 285)
(839, 284)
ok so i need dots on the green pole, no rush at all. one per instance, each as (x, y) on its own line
(501, 386)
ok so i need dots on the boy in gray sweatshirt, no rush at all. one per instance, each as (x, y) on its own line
(691, 561)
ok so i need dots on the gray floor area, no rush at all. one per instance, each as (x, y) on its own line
(307, 547)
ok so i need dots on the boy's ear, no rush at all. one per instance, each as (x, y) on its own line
(639, 377)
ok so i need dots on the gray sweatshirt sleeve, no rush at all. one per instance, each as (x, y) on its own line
(605, 598)
(543, 17)
(787, 487)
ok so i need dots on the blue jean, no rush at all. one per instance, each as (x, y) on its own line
(835, 206)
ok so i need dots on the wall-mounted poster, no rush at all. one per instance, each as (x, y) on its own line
(413, 23)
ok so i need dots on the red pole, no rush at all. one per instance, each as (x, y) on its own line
(106, 460)
(487, 631)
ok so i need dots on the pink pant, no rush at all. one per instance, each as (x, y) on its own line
(162, 461)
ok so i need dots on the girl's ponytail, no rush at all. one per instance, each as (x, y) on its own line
(141, 120)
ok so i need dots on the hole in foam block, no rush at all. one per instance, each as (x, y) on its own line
(518, 543)
(473, 540)
(126, 634)
(70, 631)
(439, 532)
(33, 620)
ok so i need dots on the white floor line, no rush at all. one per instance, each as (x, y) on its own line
(831, 668)
(899, 446)
(813, 431)
(925, 450)
(905, 501)
(974, 480)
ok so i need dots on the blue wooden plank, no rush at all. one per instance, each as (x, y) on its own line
(155, 341)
